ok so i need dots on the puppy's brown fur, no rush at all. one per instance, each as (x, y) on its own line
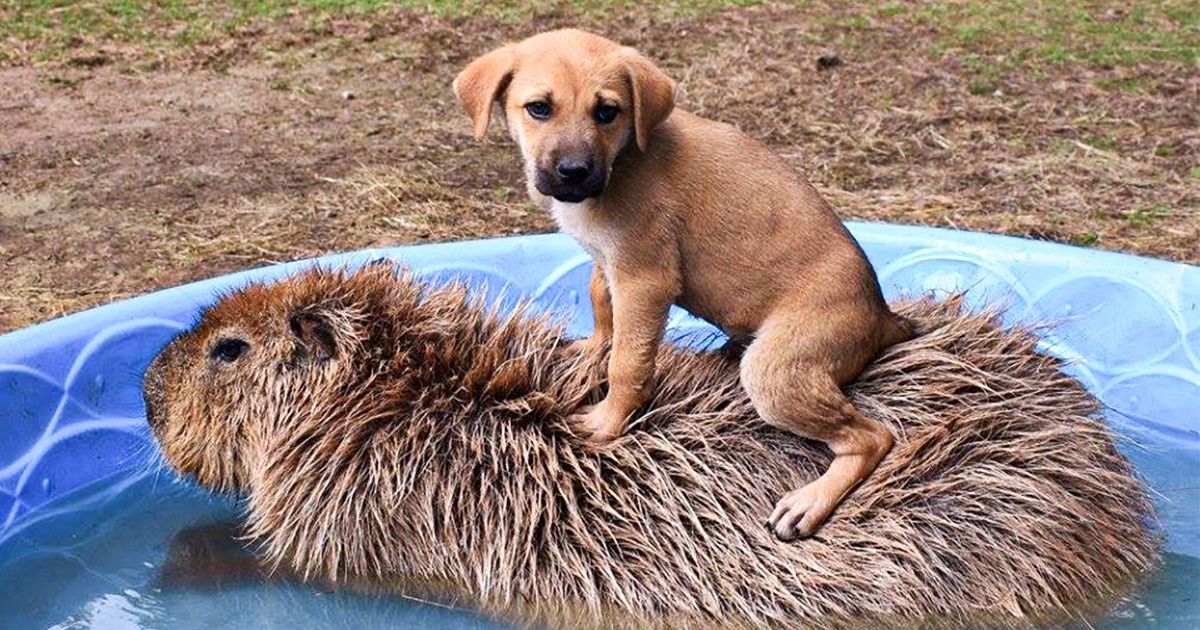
(677, 209)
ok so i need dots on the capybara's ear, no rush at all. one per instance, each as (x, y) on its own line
(482, 83)
(314, 332)
(653, 96)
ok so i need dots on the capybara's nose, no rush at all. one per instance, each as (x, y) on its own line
(573, 170)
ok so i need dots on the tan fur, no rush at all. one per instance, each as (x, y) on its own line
(426, 441)
(683, 210)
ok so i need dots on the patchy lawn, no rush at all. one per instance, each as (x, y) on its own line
(147, 144)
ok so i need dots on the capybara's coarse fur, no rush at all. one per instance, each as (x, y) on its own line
(384, 432)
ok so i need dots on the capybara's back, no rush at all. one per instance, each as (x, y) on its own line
(386, 433)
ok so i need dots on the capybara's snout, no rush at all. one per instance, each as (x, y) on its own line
(154, 392)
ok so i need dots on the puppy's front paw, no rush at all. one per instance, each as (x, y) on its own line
(800, 512)
(596, 423)
(588, 346)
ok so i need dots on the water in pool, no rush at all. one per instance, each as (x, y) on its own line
(136, 552)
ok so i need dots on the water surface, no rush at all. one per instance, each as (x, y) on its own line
(133, 552)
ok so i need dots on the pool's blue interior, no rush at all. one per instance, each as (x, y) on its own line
(87, 516)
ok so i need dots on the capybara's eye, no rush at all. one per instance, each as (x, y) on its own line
(538, 109)
(229, 350)
(606, 113)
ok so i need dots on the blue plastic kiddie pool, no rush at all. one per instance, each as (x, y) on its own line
(88, 516)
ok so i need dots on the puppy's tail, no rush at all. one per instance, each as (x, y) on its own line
(900, 329)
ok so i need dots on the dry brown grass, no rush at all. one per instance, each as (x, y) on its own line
(137, 167)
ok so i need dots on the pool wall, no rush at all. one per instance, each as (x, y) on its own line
(70, 389)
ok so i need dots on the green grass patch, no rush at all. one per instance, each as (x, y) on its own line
(981, 88)
(62, 80)
(1095, 33)
(892, 9)
(1100, 142)
(56, 28)
(1124, 84)
(1062, 31)
(1146, 217)
(1062, 146)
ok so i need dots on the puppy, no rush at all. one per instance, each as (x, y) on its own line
(677, 209)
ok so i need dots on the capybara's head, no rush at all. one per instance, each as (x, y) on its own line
(268, 355)
(573, 101)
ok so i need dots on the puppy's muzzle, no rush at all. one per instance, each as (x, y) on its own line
(572, 180)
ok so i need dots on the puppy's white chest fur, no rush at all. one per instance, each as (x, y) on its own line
(574, 218)
(581, 221)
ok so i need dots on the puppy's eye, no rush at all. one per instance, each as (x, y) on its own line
(606, 113)
(538, 109)
(229, 350)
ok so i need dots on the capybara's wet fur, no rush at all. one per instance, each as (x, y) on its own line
(385, 432)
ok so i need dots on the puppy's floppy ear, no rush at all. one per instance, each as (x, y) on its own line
(482, 82)
(314, 332)
(653, 96)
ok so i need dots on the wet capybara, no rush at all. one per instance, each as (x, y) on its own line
(384, 433)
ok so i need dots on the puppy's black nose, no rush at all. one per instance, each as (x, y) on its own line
(573, 171)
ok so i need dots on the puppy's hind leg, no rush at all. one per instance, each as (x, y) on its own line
(794, 386)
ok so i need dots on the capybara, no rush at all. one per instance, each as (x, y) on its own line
(384, 433)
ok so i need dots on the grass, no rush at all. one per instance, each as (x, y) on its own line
(999, 37)
(1148, 216)
(1063, 32)
(1092, 33)
(55, 29)
(143, 130)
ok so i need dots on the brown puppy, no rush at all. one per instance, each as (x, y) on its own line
(677, 209)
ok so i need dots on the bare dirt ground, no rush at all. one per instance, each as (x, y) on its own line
(125, 168)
